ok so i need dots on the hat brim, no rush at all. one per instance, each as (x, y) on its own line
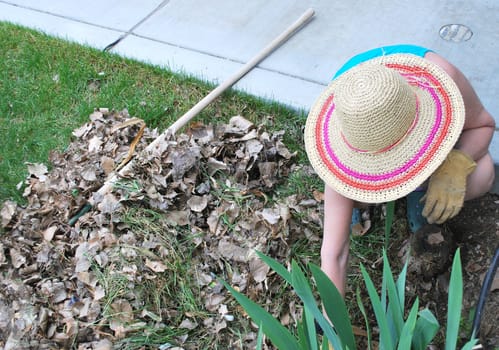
(391, 174)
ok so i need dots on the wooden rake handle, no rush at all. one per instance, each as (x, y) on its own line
(274, 44)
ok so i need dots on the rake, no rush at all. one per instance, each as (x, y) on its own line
(197, 108)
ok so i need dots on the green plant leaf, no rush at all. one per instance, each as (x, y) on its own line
(272, 328)
(311, 334)
(401, 280)
(454, 303)
(384, 331)
(470, 344)
(395, 312)
(325, 344)
(426, 328)
(304, 291)
(276, 266)
(364, 314)
(334, 305)
(407, 332)
(259, 338)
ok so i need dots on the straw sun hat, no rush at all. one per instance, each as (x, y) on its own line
(380, 129)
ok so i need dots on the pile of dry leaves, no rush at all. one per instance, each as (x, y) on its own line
(210, 187)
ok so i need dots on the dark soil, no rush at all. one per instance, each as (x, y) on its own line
(475, 231)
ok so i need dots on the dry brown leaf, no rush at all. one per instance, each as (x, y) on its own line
(198, 203)
(109, 204)
(38, 170)
(253, 147)
(156, 266)
(435, 238)
(3, 259)
(99, 293)
(178, 217)
(89, 174)
(318, 196)
(271, 215)
(7, 212)
(241, 123)
(188, 324)
(215, 165)
(258, 270)
(104, 344)
(82, 256)
(17, 259)
(107, 164)
(94, 144)
(49, 233)
(213, 301)
(83, 130)
(122, 315)
(232, 251)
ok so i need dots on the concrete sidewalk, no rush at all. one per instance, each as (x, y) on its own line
(213, 39)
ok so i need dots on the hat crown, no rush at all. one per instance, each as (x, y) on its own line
(376, 107)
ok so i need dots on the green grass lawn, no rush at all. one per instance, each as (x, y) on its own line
(48, 87)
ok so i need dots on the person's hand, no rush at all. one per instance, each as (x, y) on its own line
(446, 188)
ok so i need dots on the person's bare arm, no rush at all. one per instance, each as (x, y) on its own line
(479, 125)
(336, 238)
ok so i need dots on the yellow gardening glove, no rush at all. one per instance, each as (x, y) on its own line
(447, 186)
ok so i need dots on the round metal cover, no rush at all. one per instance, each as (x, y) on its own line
(456, 33)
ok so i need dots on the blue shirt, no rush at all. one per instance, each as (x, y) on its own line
(381, 51)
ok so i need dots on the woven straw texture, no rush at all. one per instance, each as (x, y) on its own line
(381, 129)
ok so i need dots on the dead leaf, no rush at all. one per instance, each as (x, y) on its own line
(215, 165)
(435, 238)
(241, 123)
(178, 217)
(7, 212)
(188, 324)
(232, 251)
(258, 270)
(186, 184)
(109, 204)
(49, 233)
(83, 130)
(107, 164)
(156, 266)
(318, 196)
(271, 215)
(3, 259)
(213, 301)
(104, 344)
(94, 144)
(268, 172)
(198, 203)
(38, 170)
(17, 259)
(122, 315)
(82, 256)
(99, 293)
(89, 174)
